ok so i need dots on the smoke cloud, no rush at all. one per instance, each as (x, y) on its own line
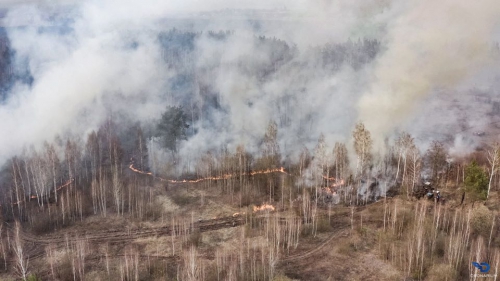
(430, 47)
(318, 69)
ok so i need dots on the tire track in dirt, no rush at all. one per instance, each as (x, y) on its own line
(35, 245)
(341, 230)
(336, 234)
(121, 235)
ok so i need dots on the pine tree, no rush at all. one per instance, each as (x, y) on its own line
(476, 181)
(172, 127)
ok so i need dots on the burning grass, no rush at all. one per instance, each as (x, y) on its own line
(264, 208)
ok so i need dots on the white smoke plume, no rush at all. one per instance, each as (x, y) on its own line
(107, 59)
(82, 74)
(430, 46)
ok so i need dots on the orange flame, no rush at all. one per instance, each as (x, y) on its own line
(264, 207)
(339, 183)
(327, 178)
(327, 190)
(35, 196)
(222, 177)
(65, 184)
(335, 180)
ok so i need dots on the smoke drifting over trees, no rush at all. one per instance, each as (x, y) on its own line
(173, 118)
(72, 66)
(68, 67)
(430, 46)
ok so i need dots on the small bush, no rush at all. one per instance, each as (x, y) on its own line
(156, 269)
(306, 230)
(33, 277)
(249, 199)
(194, 239)
(386, 241)
(345, 249)
(481, 221)
(42, 224)
(405, 220)
(440, 245)
(65, 269)
(211, 273)
(440, 272)
(251, 231)
(281, 277)
(363, 231)
(323, 225)
(349, 247)
(476, 181)
(183, 200)
(153, 211)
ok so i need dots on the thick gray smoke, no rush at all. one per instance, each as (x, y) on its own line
(93, 59)
(111, 60)
(431, 46)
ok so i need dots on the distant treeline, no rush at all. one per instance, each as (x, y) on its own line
(261, 59)
(180, 46)
(12, 69)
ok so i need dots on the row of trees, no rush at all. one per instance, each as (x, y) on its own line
(429, 241)
(403, 159)
(94, 171)
(88, 179)
(92, 178)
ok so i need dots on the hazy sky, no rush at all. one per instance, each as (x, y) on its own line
(10, 3)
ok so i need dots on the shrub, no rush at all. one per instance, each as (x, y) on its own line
(65, 269)
(153, 211)
(476, 181)
(442, 272)
(156, 269)
(194, 239)
(405, 218)
(249, 199)
(42, 224)
(323, 225)
(183, 200)
(306, 230)
(440, 245)
(363, 231)
(33, 277)
(349, 247)
(481, 221)
(281, 277)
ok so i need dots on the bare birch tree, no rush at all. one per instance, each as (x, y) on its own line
(494, 161)
(341, 159)
(271, 149)
(362, 147)
(21, 258)
(53, 162)
(436, 158)
(415, 165)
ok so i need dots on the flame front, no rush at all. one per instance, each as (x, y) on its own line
(222, 177)
(35, 196)
(339, 183)
(264, 207)
(327, 178)
(336, 182)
